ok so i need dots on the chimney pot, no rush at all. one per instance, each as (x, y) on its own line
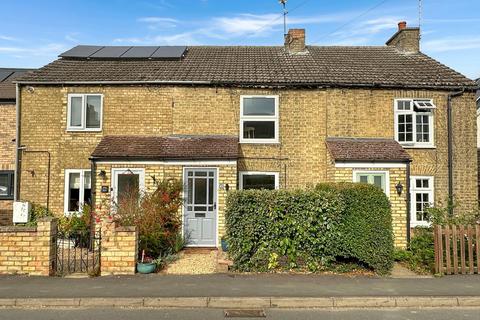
(295, 41)
(402, 25)
(405, 40)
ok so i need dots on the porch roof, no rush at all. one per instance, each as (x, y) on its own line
(176, 147)
(366, 149)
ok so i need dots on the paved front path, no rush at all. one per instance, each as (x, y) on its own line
(225, 285)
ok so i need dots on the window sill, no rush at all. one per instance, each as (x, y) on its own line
(406, 146)
(83, 130)
(6, 198)
(419, 224)
(259, 142)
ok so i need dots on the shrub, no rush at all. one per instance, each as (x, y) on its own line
(156, 216)
(365, 229)
(37, 212)
(422, 250)
(310, 228)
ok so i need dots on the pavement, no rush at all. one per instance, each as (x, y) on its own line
(240, 291)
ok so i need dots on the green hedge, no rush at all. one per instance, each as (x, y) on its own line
(309, 228)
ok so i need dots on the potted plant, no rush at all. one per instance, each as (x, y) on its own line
(224, 243)
(146, 265)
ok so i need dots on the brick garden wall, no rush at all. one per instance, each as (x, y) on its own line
(28, 250)
(119, 249)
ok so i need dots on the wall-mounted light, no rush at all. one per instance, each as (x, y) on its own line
(102, 174)
(32, 172)
(227, 187)
(399, 188)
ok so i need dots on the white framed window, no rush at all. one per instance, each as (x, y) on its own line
(258, 180)
(85, 112)
(259, 119)
(421, 197)
(380, 179)
(414, 122)
(78, 190)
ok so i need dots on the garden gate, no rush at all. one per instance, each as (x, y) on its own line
(77, 252)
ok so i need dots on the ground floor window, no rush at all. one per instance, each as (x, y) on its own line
(78, 189)
(421, 192)
(258, 180)
(377, 178)
(6, 184)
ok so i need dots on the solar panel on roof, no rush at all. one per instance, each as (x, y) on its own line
(169, 52)
(121, 52)
(81, 51)
(110, 52)
(4, 74)
(140, 52)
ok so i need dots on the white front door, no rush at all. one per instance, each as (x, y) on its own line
(125, 181)
(200, 210)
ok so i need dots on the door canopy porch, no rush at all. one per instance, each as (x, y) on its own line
(366, 150)
(158, 148)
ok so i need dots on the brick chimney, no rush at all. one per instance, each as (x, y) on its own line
(295, 41)
(406, 40)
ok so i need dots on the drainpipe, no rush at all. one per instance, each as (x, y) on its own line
(450, 148)
(16, 196)
(408, 195)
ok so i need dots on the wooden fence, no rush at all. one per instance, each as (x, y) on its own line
(457, 249)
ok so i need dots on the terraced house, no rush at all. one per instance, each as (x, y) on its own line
(100, 120)
(7, 140)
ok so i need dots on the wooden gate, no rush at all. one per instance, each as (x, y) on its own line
(457, 249)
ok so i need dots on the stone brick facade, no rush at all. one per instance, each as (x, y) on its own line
(28, 250)
(306, 118)
(227, 175)
(7, 154)
(119, 249)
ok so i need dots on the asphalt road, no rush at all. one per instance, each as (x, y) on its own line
(212, 314)
(233, 285)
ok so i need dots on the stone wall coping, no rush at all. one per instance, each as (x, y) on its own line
(126, 229)
(11, 229)
(47, 219)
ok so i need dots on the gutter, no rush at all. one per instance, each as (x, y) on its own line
(450, 147)
(253, 84)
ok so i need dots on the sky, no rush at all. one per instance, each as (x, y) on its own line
(34, 32)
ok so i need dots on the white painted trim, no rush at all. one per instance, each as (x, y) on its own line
(431, 119)
(217, 186)
(385, 172)
(267, 173)
(370, 165)
(83, 127)
(66, 179)
(413, 189)
(174, 162)
(114, 175)
(275, 118)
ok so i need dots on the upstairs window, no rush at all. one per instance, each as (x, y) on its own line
(85, 112)
(421, 198)
(414, 122)
(6, 184)
(259, 119)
